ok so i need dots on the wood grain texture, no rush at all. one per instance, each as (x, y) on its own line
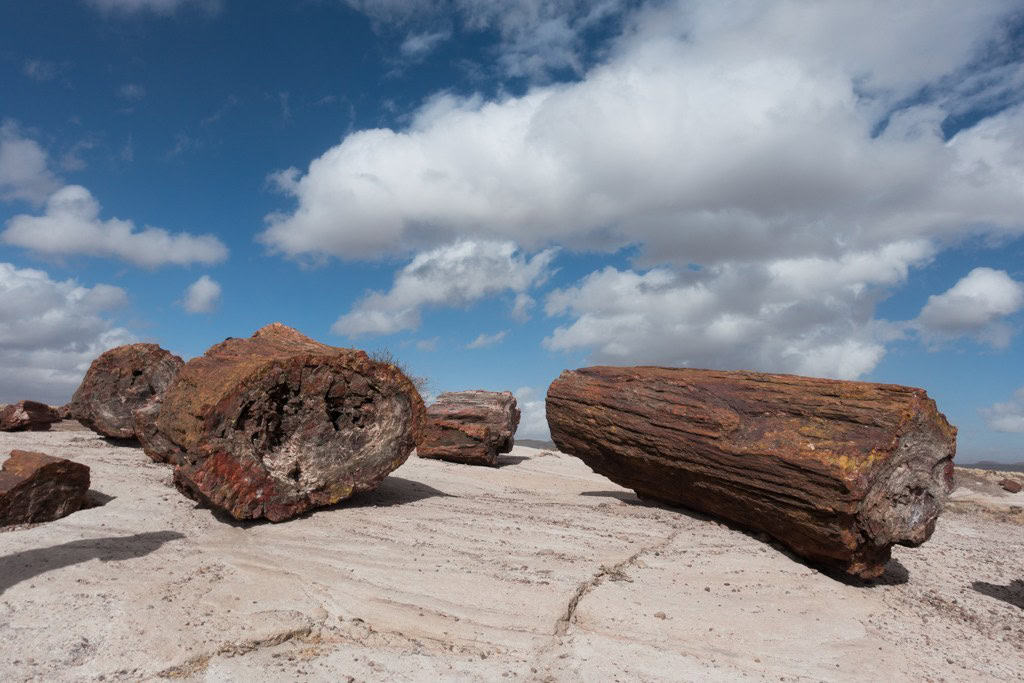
(837, 471)
(471, 427)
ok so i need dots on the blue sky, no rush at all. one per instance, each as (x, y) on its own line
(499, 191)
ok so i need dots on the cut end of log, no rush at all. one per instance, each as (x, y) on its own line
(275, 424)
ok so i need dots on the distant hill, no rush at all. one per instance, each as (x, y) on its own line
(535, 443)
(990, 465)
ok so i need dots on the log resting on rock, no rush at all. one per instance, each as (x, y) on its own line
(118, 383)
(837, 471)
(35, 487)
(470, 427)
(276, 424)
(27, 416)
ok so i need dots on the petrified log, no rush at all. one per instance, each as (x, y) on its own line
(1010, 485)
(837, 471)
(470, 426)
(119, 382)
(276, 424)
(27, 416)
(35, 487)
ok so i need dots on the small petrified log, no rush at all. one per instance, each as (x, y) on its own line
(27, 416)
(35, 487)
(118, 383)
(1010, 485)
(837, 471)
(470, 426)
(276, 424)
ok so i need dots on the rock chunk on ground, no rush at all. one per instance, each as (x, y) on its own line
(836, 471)
(1010, 485)
(35, 487)
(118, 383)
(276, 424)
(470, 427)
(27, 416)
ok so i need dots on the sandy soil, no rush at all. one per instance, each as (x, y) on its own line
(536, 570)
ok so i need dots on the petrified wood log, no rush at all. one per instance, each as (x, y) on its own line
(27, 416)
(119, 382)
(35, 487)
(276, 424)
(470, 426)
(837, 471)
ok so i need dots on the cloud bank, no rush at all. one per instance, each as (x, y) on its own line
(50, 332)
(775, 166)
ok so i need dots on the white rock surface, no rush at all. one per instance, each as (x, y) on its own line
(536, 570)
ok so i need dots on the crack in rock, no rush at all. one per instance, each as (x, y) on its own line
(199, 663)
(614, 573)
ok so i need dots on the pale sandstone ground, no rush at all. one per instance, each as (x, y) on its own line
(536, 570)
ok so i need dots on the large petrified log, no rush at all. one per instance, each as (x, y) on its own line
(470, 426)
(837, 471)
(35, 487)
(27, 416)
(118, 383)
(276, 424)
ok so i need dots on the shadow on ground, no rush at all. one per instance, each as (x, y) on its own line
(1012, 593)
(508, 460)
(29, 564)
(392, 491)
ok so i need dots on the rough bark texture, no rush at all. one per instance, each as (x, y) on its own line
(276, 424)
(119, 382)
(35, 487)
(837, 471)
(470, 426)
(27, 415)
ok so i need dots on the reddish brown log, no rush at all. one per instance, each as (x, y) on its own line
(472, 427)
(27, 416)
(35, 487)
(119, 382)
(837, 471)
(1010, 485)
(276, 424)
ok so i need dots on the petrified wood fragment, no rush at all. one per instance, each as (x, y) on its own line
(119, 382)
(27, 416)
(35, 487)
(276, 424)
(837, 471)
(470, 426)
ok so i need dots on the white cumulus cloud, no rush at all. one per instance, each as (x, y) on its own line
(709, 135)
(775, 168)
(24, 170)
(71, 225)
(50, 331)
(483, 340)
(533, 418)
(1007, 417)
(164, 7)
(974, 306)
(202, 296)
(453, 275)
(806, 315)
